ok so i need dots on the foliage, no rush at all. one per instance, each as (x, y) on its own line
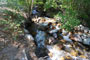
(68, 21)
(22, 5)
(50, 3)
(83, 9)
(71, 10)
(12, 23)
(69, 16)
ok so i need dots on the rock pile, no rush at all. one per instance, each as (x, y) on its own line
(61, 44)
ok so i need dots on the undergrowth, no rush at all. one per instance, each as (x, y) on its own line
(12, 22)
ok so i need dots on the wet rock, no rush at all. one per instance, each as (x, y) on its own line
(86, 41)
(40, 38)
(43, 28)
(41, 52)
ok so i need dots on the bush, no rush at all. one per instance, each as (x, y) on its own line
(72, 11)
(83, 9)
(68, 20)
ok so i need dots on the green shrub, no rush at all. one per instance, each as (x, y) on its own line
(68, 20)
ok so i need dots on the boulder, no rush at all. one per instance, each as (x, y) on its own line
(86, 41)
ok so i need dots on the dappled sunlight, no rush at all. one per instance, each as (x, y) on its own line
(44, 30)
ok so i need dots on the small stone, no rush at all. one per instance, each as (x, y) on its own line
(85, 31)
(67, 37)
(29, 37)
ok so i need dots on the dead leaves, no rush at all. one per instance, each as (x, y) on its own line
(74, 53)
(82, 56)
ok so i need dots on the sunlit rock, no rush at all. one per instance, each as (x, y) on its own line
(29, 37)
(66, 37)
(68, 47)
(50, 20)
(82, 27)
(76, 37)
(64, 32)
(55, 52)
(54, 31)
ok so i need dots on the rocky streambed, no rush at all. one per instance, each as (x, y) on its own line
(49, 42)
